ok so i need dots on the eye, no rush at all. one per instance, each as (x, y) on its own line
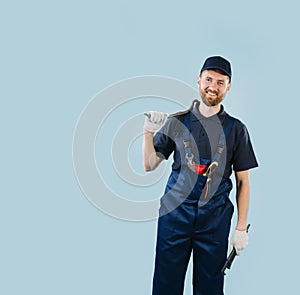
(208, 79)
(221, 83)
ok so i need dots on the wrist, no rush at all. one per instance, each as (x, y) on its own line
(145, 132)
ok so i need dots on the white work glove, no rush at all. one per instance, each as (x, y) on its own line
(154, 120)
(239, 241)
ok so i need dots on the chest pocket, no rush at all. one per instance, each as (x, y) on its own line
(182, 133)
(191, 151)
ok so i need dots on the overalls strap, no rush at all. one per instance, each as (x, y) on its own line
(221, 144)
(187, 137)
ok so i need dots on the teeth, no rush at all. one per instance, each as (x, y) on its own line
(210, 93)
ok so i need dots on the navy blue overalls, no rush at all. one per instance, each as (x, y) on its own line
(195, 217)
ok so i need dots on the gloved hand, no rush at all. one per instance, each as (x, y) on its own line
(239, 241)
(154, 120)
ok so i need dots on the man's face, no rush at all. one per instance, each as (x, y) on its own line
(213, 87)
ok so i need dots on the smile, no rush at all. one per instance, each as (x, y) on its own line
(211, 93)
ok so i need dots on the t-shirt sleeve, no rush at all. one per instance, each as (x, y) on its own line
(163, 143)
(244, 156)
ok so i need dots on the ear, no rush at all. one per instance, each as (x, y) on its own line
(228, 87)
(199, 80)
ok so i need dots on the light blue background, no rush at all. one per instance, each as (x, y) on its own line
(56, 55)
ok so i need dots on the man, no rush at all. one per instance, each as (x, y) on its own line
(195, 212)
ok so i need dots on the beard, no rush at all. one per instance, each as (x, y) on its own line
(209, 101)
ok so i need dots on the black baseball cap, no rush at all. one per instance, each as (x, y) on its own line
(219, 63)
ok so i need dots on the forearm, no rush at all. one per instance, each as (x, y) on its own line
(150, 159)
(243, 199)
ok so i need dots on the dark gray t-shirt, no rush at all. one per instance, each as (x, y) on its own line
(238, 155)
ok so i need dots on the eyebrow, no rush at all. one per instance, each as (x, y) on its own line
(219, 80)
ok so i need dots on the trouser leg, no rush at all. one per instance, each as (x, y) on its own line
(207, 263)
(210, 245)
(173, 251)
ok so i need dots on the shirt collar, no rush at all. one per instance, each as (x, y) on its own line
(196, 115)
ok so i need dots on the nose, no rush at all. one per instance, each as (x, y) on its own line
(214, 84)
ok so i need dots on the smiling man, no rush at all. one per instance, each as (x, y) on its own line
(195, 213)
